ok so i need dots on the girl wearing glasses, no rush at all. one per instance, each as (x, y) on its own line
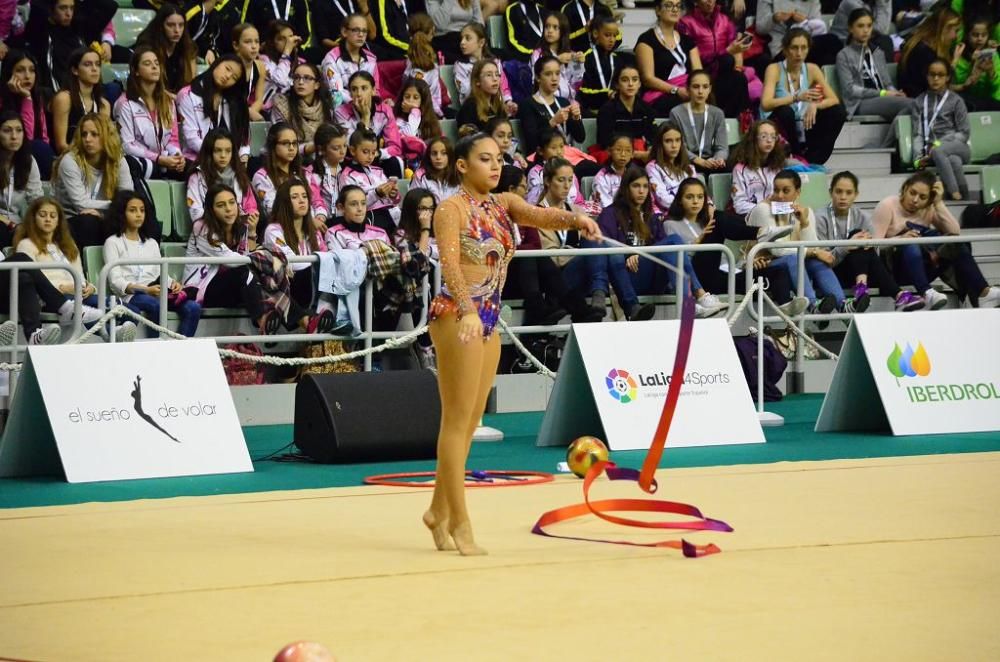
(758, 158)
(941, 131)
(665, 56)
(347, 58)
(474, 47)
(329, 17)
(306, 105)
(283, 162)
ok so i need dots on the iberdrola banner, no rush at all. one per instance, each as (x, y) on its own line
(917, 374)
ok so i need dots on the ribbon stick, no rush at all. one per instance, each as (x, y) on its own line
(646, 477)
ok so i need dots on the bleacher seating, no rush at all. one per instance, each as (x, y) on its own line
(129, 23)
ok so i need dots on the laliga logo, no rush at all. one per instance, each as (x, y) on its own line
(621, 386)
(909, 363)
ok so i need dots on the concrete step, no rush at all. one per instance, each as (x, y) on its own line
(856, 135)
(862, 162)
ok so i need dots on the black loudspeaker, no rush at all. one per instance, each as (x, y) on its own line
(368, 416)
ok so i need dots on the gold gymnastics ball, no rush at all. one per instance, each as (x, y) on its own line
(583, 453)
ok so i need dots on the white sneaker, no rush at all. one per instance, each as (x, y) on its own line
(934, 300)
(992, 298)
(8, 333)
(795, 307)
(709, 306)
(125, 332)
(627, 4)
(90, 314)
(50, 334)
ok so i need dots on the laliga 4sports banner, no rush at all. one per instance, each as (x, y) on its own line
(920, 373)
(613, 380)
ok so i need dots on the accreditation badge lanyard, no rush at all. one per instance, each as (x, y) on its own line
(277, 12)
(600, 69)
(535, 27)
(584, 19)
(869, 67)
(694, 129)
(929, 122)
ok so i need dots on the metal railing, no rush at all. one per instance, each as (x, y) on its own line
(15, 269)
(801, 248)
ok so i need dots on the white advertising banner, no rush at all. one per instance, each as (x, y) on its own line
(925, 373)
(613, 381)
(123, 410)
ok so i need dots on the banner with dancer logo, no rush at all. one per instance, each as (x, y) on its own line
(924, 373)
(123, 410)
(613, 380)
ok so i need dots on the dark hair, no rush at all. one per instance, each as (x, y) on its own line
(615, 137)
(153, 36)
(350, 188)
(361, 135)
(409, 215)
(844, 174)
(510, 176)
(72, 83)
(324, 134)
(919, 177)
(564, 29)
(12, 101)
(364, 75)
(235, 97)
(620, 69)
(321, 95)
(215, 232)
(430, 128)
(680, 165)
(495, 123)
(550, 169)
(450, 175)
(949, 72)
(676, 211)
(206, 163)
(546, 136)
(282, 214)
(294, 168)
(237, 32)
(116, 214)
(628, 217)
(597, 23)
(858, 14)
(20, 160)
(540, 64)
(711, 84)
(791, 176)
(976, 19)
(267, 47)
(464, 146)
(793, 34)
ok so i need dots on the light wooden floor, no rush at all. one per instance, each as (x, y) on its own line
(884, 559)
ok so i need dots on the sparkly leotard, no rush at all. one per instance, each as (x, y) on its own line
(475, 255)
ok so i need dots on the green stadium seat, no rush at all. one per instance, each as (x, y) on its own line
(515, 127)
(181, 218)
(733, 131)
(93, 262)
(164, 206)
(172, 249)
(258, 137)
(815, 193)
(447, 73)
(904, 134)
(893, 72)
(403, 185)
(47, 188)
(985, 135)
(991, 184)
(587, 187)
(830, 71)
(129, 23)
(114, 72)
(496, 33)
(449, 129)
(720, 187)
(589, 133)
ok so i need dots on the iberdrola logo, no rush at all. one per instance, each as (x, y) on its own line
(621, 385)
(909, 363)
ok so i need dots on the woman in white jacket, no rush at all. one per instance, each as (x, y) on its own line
(215, 99)
(138, 285)
(147, 120)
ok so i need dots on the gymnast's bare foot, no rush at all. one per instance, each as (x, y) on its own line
(439, 531)
(462, 535)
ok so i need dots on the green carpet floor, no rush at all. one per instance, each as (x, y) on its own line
(794, 442)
